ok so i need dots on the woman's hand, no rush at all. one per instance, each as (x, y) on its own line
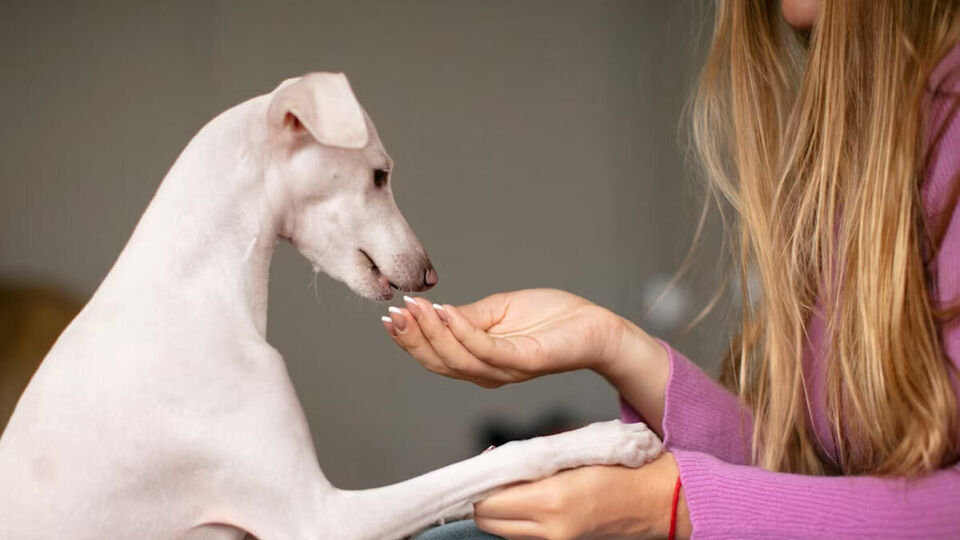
(597, 502)
(507, 337)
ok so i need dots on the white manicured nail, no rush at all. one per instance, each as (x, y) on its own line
(409, 300)
(386, 319)
(441, 313)
(396, 310)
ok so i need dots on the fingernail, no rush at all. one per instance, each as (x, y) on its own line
(388, 324)
(442, 313)
(413, 307)
(399, 321)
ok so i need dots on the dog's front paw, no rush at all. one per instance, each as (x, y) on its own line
(616, 443)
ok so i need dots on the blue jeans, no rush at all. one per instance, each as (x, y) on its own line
(458, 530)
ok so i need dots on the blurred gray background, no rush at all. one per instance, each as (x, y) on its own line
(536, 144)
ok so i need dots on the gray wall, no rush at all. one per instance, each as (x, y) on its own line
(536, 145)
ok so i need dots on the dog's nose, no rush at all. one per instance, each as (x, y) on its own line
(430, 277)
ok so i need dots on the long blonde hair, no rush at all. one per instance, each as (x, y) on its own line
(815, 141)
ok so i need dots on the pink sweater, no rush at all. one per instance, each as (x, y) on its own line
(707, 430)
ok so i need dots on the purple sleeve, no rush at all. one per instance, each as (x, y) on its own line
(708, 433)
(700, 414)
(740, 502)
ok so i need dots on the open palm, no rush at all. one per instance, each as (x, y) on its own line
(507, 337)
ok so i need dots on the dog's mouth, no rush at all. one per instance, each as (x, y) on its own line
(384, 286)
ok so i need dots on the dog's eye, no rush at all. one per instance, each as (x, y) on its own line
(380, 177)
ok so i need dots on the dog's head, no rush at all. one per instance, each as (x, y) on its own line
(334, 181)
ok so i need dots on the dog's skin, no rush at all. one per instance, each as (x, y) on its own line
(162, 412)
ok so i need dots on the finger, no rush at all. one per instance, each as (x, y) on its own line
(453, 354)
(406, 333)
(500, 353)
(486, 312)
(511, 529)
(388, 326)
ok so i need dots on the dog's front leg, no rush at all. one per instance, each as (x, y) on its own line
(401, 509)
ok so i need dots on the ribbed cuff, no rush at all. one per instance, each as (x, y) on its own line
(706, 520)
(674, 396)
(699, 414)
(724, 505)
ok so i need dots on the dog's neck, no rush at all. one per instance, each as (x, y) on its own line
(208, 236)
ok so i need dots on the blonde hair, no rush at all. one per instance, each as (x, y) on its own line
(815, 141)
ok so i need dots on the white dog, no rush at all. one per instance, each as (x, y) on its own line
(162, 412)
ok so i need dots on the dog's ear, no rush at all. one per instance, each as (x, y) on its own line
(323, 105)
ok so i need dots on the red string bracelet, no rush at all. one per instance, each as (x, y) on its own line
(673, 511)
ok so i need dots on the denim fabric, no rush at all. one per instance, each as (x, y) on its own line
(458, 530)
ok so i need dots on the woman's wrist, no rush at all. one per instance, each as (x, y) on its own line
(663, 473)
(628, 348)
(638, 367)
(641, 500)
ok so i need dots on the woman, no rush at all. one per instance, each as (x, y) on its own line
(837, 144)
